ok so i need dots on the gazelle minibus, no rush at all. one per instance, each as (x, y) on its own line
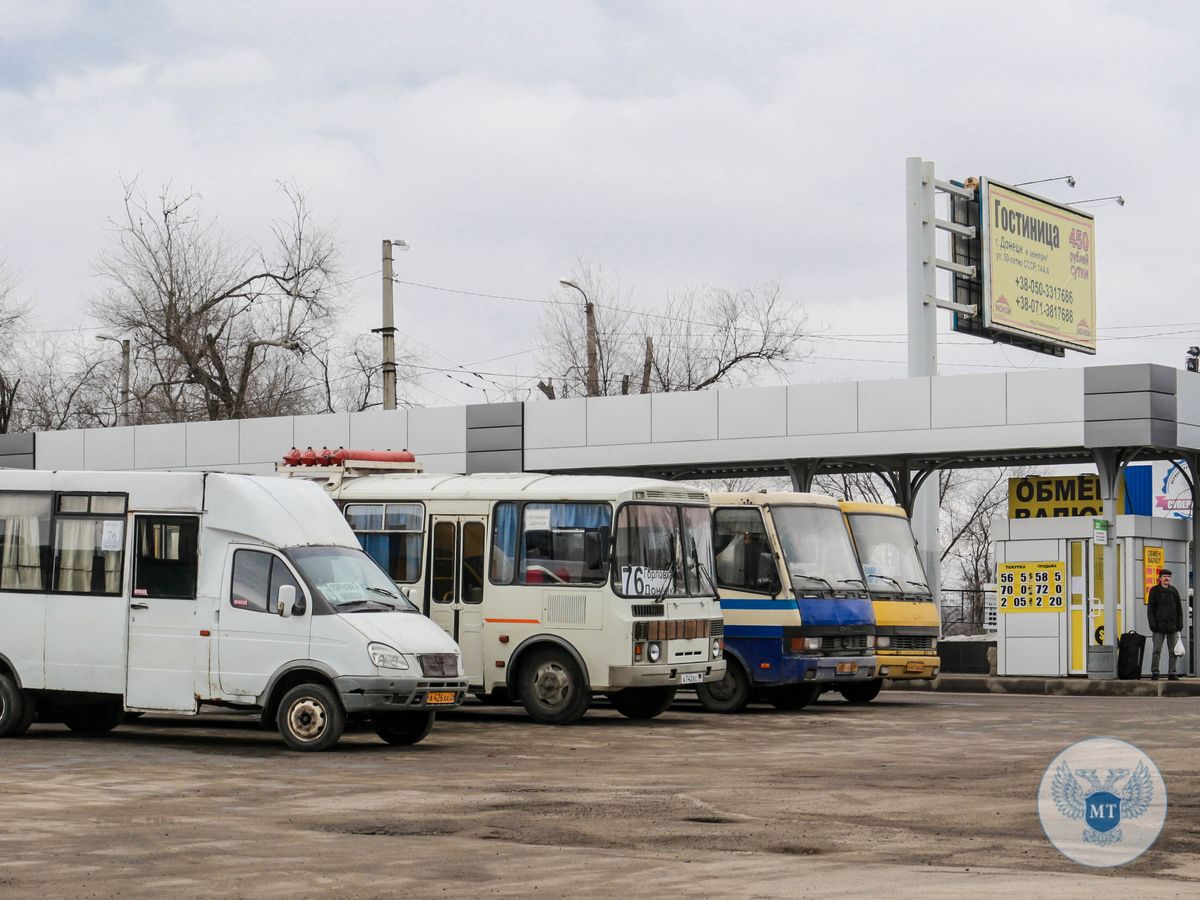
(797, 617)
(557, 587)
(156, 591)
(907, 622)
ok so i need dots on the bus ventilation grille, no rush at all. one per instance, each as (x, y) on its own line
(566, 609)
(649, 610)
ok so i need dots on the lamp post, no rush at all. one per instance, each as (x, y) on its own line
(389, 327)
(589, 312)
(124, 342)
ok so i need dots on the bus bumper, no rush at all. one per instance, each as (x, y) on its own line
(382, 694)
(908, 666)
(666, 674)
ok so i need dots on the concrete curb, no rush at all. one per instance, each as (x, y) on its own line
(1022, 684)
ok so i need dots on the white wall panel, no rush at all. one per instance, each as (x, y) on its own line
(160, 446)
(823, 408)
(441, 429)
(752, 412)
(331, 430)
(618, 420)
(264, 440)
(1035, 397)
(897, 405)
(965, 400)
(59, 450)
(108, 448)
(556, 423)
(451, 463)
(212, 443)
(684, 416)
(379, 429)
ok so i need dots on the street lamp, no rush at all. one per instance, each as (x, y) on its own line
(124, 342)
(589, 312)
(389, 326)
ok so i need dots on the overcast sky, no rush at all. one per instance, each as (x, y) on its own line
(674, 143)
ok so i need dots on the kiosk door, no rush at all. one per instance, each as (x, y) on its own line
(1078, 584)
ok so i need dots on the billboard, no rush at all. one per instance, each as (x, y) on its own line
(1038, 268)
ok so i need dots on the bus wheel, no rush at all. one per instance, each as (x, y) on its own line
(642, 703)
(310, 718)
(16, 709)
(94, 718)
(403, 728)
(864, 692)
(730, 694)
(792, 697)
(551, 687)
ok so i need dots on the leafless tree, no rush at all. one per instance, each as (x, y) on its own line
(222, 330)
(12, 315)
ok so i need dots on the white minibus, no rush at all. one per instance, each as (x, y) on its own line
(156, 591)
(557, 587)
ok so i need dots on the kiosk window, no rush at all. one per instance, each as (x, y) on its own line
(166, 556)
(257, 577)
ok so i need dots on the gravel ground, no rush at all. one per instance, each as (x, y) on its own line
(929, 794)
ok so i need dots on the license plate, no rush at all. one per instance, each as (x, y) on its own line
(915, 667)
(847, 668)
(439, 698)
(691, 678)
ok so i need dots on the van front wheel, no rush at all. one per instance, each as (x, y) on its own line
(94, 718)
(403, 728)
(16, 709)
(310, 718)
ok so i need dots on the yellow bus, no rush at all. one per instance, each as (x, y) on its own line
(907, 621)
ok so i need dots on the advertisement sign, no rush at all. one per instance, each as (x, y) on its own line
(1039, 268)
(1038, 497)
(1153, 561)
(1172, 493)
(1031, 586)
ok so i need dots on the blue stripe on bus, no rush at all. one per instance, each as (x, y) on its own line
(758, 604)
(753, 631)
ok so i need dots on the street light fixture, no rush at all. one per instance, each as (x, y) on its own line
(593, 351)
(389, 326)
(124, 342)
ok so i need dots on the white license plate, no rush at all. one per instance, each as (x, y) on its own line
(691, 678)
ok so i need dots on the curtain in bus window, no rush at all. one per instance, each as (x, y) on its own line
(563, 543)
(504, 543)
(24, 530)
(89, 556)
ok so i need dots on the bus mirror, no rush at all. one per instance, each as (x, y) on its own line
(595, 551)
(286, 600)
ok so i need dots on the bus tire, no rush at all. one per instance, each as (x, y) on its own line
(551, 687)
(730, 694)
(793, 697)
(94, 718)
(402, 729)
(310, 718)
(643, 703)
(863, 692)
(16, 709)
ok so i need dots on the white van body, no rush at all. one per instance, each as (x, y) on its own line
(164, 591)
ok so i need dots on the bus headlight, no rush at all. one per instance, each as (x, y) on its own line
(716, 648)
(385, 657)
(883, 642)
(654, 652)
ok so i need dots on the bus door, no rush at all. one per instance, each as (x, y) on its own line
(454, 592)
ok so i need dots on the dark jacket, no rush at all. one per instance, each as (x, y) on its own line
(1164, 609)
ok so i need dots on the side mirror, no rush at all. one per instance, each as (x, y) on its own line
(286, 600)
(405, 591)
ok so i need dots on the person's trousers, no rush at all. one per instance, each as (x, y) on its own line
(1159, 637)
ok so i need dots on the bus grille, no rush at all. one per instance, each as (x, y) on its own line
(439, 665)
(716, 628)
(649, 610)
(844, 642)
(676, 629)
(912, 642)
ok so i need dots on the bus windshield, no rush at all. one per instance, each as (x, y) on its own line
(663, 551)
(817, 548)
(349, 580)
(889, 554)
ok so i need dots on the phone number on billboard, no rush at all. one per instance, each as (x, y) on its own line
(1046, 310)
(1049, 291)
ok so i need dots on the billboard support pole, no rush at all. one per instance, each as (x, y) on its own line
(921, 228)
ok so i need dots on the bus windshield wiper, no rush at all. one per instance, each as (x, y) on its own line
(813, 578)
(920, 584)
(852, 581)
(891, 579)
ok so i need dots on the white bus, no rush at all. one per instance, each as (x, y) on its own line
(163, 591)
(557, 587)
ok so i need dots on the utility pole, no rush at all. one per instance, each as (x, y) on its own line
(123, 416)
(389, 326)
(593, 349)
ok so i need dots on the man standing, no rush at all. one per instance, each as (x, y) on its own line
(1165, 611)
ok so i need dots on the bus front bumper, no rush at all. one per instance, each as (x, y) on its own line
(908, 666)
(383, 694)
(666, 674)
(826, 670)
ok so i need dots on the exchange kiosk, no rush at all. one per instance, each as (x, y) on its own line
(1050, 588)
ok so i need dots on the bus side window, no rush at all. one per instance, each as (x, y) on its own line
(251, 580)
(743, 553)
(166, 556)
(504, 543)
(24, 541)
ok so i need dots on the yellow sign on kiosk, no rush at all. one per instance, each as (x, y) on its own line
(1153, 560)
(1031, 587)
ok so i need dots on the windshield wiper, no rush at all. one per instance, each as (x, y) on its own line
(347, 603)
(852, 581)
(920, 584)
(703, 569)
(814, 578)
(384, 591)
(891, 579)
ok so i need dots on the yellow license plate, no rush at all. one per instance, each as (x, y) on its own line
(847, 668)
(439, 698)
(915, 667)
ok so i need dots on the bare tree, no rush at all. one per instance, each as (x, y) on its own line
(704, 337)
(12, 315)
(222, 331)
